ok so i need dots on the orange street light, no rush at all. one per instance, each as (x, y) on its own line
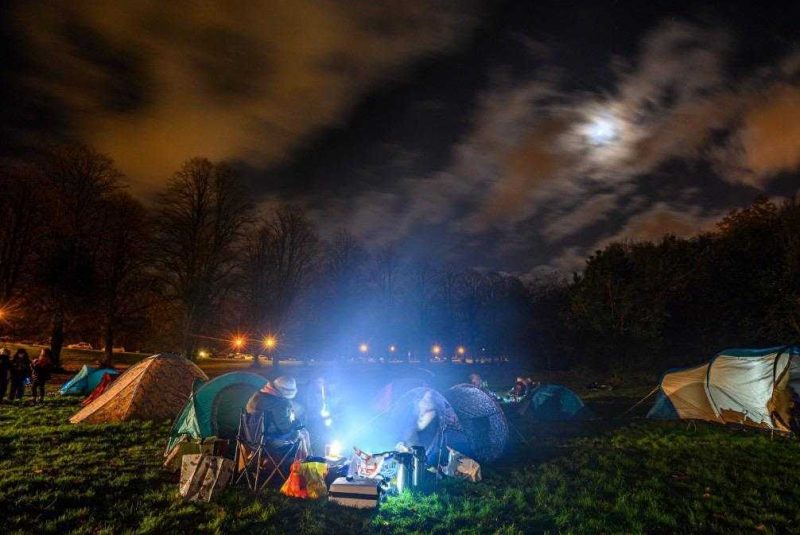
(363, 348)
(270, 342)
(238, 342)
(461, 350)
(436, 349)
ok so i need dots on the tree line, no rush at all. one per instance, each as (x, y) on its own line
(653, 305)
(80, 258)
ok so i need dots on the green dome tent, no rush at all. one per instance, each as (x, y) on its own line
(556, 403)
(214, 407)
(85, 381)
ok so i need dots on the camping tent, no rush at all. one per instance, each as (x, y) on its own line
(394, 392)
(153, 389)
(85, 381)
(105, 382)
(418, 418)
(554, 403)
(748, 386)
(481, 418)
(214, 408)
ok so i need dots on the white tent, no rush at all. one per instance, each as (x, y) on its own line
(747, 386)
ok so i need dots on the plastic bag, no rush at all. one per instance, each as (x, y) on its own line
(461, 466)
(204, 476)
(295, 484)
(314, 474)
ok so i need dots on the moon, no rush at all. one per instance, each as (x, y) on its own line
(601, 130)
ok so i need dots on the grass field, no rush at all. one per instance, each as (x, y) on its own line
(602, 476)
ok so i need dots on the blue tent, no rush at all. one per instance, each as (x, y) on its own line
(214, 407)
(553, 403)
(86, 380)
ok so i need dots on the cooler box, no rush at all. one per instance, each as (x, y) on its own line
(360, 493)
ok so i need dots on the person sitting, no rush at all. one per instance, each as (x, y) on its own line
(518, 391)
(477, 381)
(281, 426)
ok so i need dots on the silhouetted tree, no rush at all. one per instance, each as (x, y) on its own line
(21, 219)
(76, 180)
(124, 288)
(199, 226)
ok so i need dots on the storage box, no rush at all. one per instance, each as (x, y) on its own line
(361, 493)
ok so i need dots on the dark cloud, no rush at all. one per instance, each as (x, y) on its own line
(153, 83)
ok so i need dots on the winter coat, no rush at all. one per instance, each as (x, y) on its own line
(20, 367)
(41, 369)
(278, 412)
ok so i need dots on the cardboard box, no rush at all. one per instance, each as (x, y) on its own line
(360, 493)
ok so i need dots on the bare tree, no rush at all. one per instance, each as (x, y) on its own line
(20, 219)
(76, 181)
(279, 260)
(124, 288)
(199, 226)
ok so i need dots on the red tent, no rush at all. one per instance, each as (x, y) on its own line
(101, 387)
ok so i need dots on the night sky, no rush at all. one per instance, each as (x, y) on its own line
(514, 136)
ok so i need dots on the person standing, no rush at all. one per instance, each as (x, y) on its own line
(20, 370)
(5, 369)
(41, 369)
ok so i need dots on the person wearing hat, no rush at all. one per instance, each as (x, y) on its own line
(281, 426)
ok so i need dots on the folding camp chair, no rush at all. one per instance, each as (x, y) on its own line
(256, 461)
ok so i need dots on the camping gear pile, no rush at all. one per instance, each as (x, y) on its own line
(413, 430)
(751, 387)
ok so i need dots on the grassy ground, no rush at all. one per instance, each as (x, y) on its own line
(602, 476)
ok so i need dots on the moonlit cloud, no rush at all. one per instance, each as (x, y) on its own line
(546, 166)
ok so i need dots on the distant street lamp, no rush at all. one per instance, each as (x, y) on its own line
(392, 349)
(436, 349)
(238, 342)
(270, 342)
(363, 348)
(461, 350)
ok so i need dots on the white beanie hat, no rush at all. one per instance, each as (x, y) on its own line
(286, 386)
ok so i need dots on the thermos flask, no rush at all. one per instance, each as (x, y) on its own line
(418, 473)
(405, 463)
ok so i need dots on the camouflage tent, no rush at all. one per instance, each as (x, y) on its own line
(156, 388)
(482, 420)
